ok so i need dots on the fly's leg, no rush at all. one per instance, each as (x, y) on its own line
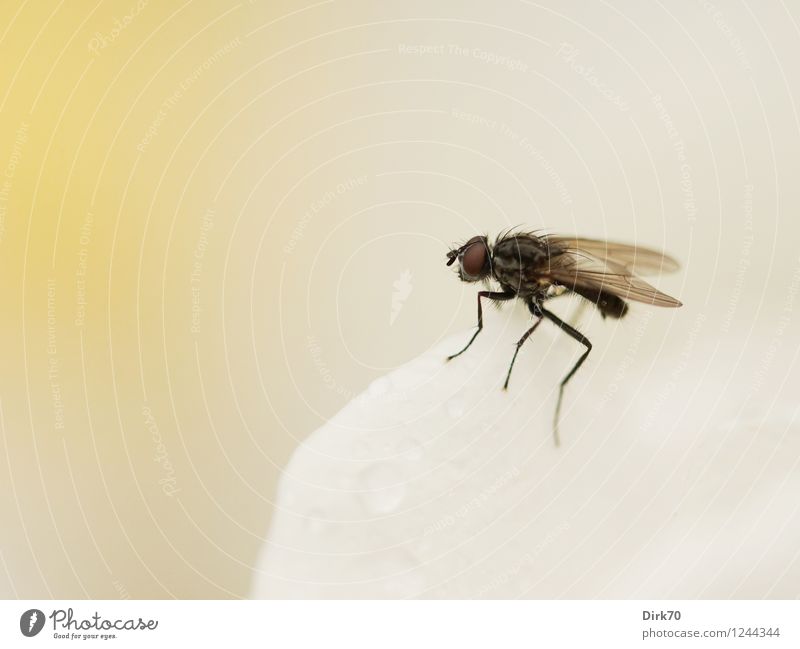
(577, 335)
(580, 309)
(537, 313)
(492, 295)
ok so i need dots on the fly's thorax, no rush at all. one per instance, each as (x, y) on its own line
(517, 262)
(524, 251)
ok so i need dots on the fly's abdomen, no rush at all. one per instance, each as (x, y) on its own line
(608, 304)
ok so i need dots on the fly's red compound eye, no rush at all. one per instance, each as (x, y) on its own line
(473, 259)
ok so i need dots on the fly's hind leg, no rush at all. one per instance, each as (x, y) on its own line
(577, 335)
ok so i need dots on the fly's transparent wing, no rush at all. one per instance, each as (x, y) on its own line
(633, 259)
(581, 269)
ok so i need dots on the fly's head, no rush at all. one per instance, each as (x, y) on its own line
(474, 260)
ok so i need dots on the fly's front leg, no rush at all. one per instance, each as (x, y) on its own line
(491, 295)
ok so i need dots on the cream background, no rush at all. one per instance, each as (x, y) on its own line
(306, 98)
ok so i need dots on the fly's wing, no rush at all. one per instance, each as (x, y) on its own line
(633, 259)
(581, 269)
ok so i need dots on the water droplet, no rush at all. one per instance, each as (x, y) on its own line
(361, 449)
(404, 576)
(527, 581)
(315, 522)
(378, 387)
(455, 407)
(410, 449)
(383, 487)
(425, 544)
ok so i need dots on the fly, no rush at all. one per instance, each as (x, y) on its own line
(535, 268)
